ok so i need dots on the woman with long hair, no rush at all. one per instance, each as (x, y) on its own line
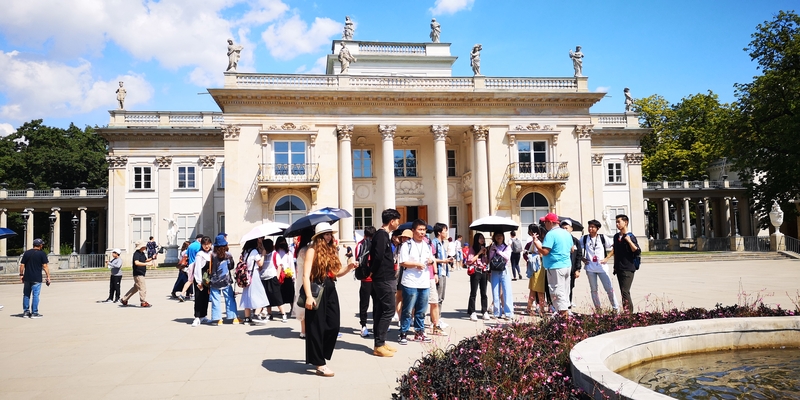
(202, 263)
(322, 266)
(300, 250)
(253, 296)
(502, 303)
(221, 289)
(478, 270)
(536, 274)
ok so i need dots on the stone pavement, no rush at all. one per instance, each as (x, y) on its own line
(83, 349)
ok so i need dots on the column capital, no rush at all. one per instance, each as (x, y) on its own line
(646, 199)
(82, 208)
(164, 161)
(687, 198)
(55, 209)
(634, 158)
(597, 159)
(344, 132)
(3, 210)
(387, 131)
(231, 132)
(480, 132)
(116, 162)
(584, 131)
(440, 131)
(706, 199)
(727, 198)
(665, 199)
(207, 161)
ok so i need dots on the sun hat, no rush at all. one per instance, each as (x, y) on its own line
(118, 251)
(321, 228)
(407, 233)
(551, 217)
(220, 241)
(139, 245)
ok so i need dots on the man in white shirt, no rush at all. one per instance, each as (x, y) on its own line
(595, 248)
(417, 260)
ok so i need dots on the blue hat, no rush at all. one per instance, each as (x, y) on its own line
(220, 241)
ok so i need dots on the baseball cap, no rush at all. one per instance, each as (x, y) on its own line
(118, 251)
(566, 221)
(38, 242)
(551, 217)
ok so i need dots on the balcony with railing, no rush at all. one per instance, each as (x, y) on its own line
(167, 119)
(553, 171)
(99, 193)
(289, 174)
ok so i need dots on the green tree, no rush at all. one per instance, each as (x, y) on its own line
(763, 137)
(685, 136)
(44, 155)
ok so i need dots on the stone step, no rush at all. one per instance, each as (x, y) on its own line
(91, 275)
(711, 256)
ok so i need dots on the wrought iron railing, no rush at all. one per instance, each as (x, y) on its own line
(755, 243)
(289, 173)
(659, 245)
(717, 244)
(540, 171)
(792, 244)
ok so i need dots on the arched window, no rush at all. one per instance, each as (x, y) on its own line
(289, 208)
(532, 207)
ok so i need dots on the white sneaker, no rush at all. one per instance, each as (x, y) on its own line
(443, 324)
(196, 322)
(473, 317)
(364, 331)
(396, 318)
(486, 316)
(283, 319)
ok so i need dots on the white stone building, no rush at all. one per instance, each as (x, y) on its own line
(397, 130)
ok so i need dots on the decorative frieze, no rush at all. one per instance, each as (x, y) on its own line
(597, 159)
(533, 127)
(584, 131)
(288, 127)
(440, 131)
(344, 132)
(404, 140)
(481, 132)
(208, 161)
(408, 187)
(634, 158)
(117, 162)
(164, 161)
(231, 132)
(387, 131)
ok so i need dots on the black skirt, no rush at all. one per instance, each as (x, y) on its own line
(273, 289)
(322, 326)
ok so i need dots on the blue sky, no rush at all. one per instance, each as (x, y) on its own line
(60, 61)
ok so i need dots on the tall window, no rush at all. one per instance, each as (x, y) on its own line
(186, 227)
(141, 228)
(532, 207)
(362, 163)
(186, 178)
(451, 163)
(532, 156)
(405, 163)
(142, 178)
(289, 209)
(221, 223)
(221, 183)
(363, 217)
(614, 172)
(290, 158)
(452, 212)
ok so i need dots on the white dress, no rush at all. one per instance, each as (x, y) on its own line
(254, 296)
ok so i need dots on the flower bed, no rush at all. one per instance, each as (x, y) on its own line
(531, 360)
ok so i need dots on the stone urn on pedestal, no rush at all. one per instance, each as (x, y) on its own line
(776, 240)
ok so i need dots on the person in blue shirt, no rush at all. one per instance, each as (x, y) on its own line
(555, 251)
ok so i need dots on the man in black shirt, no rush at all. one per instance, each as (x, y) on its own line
(384, 283)
(30, 273)
(625, 249)
(140, 261)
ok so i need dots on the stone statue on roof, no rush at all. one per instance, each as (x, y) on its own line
(234, 52)
(349, 29)
(121, 93)
(436, 29)
(475, 59)
(577, 60)
(628, 100)
(345, 58)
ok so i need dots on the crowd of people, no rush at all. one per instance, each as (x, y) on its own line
(404, 274)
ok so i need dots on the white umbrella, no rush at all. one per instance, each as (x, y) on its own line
(268, 229)
(494, 223)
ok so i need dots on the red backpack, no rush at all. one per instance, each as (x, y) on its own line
(242, 274)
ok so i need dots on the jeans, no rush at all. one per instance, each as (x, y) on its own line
(32, 287)
(625, 279)
(502, 278)
(607, 286)
(230, 303)
(414, 299)
(515, 265)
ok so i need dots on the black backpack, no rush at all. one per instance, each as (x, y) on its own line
(363, 270)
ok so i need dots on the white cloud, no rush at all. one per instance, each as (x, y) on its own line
(318, 68)
(35, 89)
(451, 6)
(602, 89)
(291, 37)
(266, 11)
(6, 129)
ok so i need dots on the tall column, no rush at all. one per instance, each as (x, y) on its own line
(665, 208)
(3, 223)
(636, 193)
(345, 134)
(57, 230)
(707, 216)
(480, 183)
(29, 232)
(235, 196)
(727, 209)
(687, 219)
(660, 218)
(599, 184)
(440, 157)
(82, 232)
(387, 136)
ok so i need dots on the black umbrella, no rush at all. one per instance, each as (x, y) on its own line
(6, 233)
(407, 225)
(494, 223)
(327, 214)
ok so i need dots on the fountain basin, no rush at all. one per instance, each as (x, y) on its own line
(594, 360)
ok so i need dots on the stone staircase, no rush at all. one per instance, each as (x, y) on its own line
(703, 256)
(94, 274)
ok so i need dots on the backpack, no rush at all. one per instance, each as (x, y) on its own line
(220, 280)
(637, 255)
(242, 275)
(602, 240)
(516, 246)
(363, 270)
(498, 263)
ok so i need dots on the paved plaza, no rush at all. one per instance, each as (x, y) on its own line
(83, 349)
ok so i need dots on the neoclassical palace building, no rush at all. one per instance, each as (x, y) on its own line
(396, 130)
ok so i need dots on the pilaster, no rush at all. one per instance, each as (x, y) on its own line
(598, 182)
(208, 171)
(117, 189)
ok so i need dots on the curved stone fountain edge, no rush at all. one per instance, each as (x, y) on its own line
(594, 360)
